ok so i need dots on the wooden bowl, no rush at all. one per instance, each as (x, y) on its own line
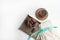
(41, 14)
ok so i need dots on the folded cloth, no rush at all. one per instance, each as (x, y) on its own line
(39, 32)
(45, 33)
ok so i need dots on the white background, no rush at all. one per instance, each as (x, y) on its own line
(13, 12)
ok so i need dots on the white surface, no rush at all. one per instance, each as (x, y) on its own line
(13, 12)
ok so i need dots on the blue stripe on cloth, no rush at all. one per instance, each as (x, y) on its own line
(39, 32)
